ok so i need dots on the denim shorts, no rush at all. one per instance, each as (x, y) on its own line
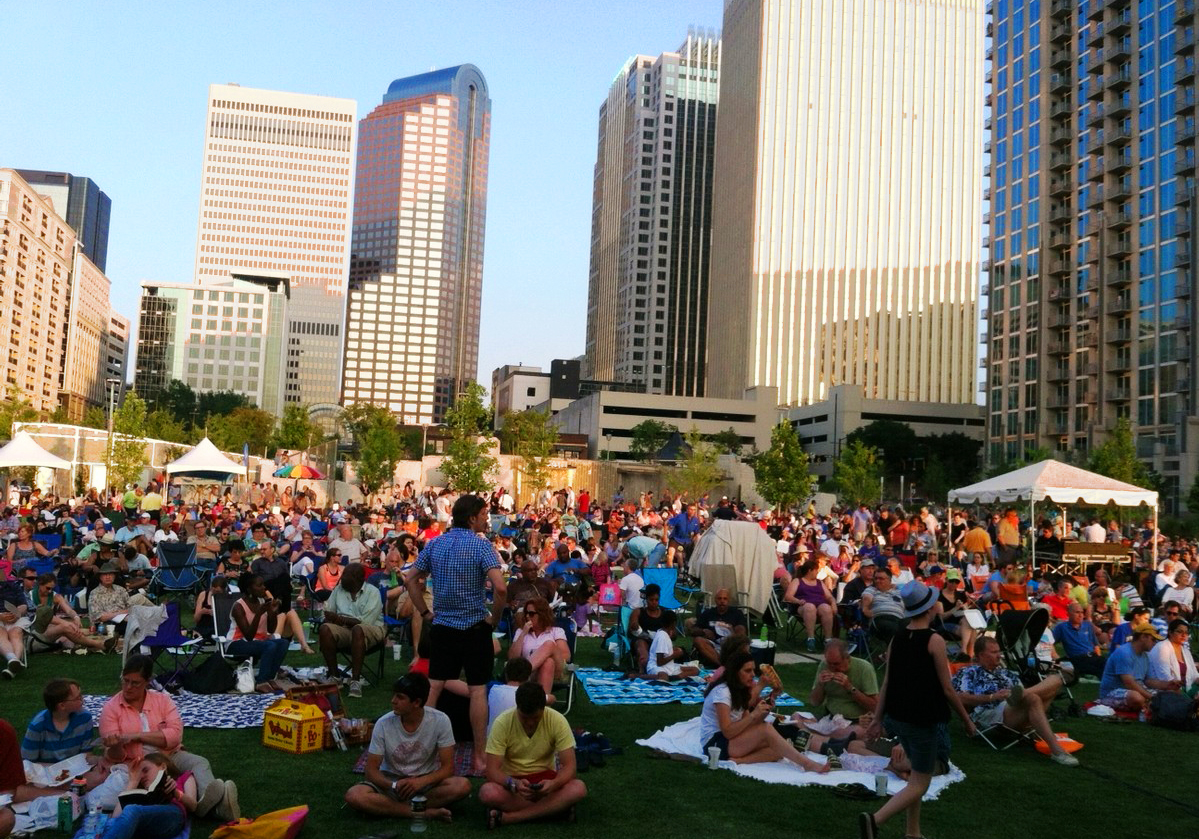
(927, 746)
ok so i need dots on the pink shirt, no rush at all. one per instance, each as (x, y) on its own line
(158, 714)
(532, 643)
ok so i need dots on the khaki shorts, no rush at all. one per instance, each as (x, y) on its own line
(342, 634)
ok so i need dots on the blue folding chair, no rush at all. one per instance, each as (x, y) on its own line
(50, 541)
(168, 642)
(665, 578)
(319, 529)
(177, 573)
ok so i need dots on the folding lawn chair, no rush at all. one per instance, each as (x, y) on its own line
(171, 651)
(567, 625)
(665, 578)
(177, 572)
(1018, 634)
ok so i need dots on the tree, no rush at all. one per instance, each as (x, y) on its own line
(467, 464)
(94, 417)
(531, 435)
(162, 425)
(359, 418)
(1031, 455)
(897, 444)
(253, 426)
(378, 453)
(648, 438)
(16, 408)
(958, 456)
(128, 450)
(219, 403)
(936, 482)
(1117, 457)
(728, 442)
(698, 472)
(781, 472)
(296, 429)
(857, 474)
(59, 415)
(177, 399)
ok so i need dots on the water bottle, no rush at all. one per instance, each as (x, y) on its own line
(338, 737)
(92, 824)
(762, 636)
(418, 813)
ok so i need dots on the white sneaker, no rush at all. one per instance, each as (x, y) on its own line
(355, 688)
(1064, 758)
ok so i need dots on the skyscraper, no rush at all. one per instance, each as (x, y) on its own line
(847, 211)
(82, 204)
(1092, 231)
(647, 301)
(276, 199)
(416, 271)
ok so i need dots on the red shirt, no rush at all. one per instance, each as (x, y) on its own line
(12, 770)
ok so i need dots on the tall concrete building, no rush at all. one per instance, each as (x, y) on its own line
(276, 199)
(846, 226)
(116, 358)
(86, 340)
(416, 272)
(647, 301)
(82, 204)
(226, 335)
(1092, 231)
(36, 251)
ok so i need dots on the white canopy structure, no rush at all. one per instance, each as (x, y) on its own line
(1058, 483)
(22, 450)
(207, 462)
(746, 547)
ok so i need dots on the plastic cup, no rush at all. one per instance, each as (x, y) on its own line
(713, 757)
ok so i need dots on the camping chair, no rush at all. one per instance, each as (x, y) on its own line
(624, 644)
(665, 578)
(319, 529)
(177, 571)
(12, 595)
(222, 622)
(398, 629)
(178, 648)
(1018, 634)
(782, 617)
(1001, 737)
(50, 541)
(567, 625)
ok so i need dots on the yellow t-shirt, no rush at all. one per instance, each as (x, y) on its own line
(525, 755)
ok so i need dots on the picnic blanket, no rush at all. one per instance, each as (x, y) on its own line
(683, 738)
(221, 710)
(604, 688)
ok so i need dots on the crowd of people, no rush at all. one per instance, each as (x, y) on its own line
(467, 569)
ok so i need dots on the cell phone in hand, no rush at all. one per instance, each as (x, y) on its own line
(535, 786)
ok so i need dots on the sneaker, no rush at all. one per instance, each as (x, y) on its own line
(355, 688)
(811, 645)
(7, 672)
(1064, 758)
(213, 793)
(228, 810)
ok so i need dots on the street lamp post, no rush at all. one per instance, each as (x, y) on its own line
(112, 407)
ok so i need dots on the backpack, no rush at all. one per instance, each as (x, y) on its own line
(214, 675)
(1170, 709)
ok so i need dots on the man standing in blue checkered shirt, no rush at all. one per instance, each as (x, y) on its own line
(461, 562)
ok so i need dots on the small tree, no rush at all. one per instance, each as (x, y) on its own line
(161, 425)
(379, 450)
(531, 435)
(16, 408)
(781, 472)
(728, 441)
(128, 456)
(698, 472)
(296, 429)
(252, 426)
(94, 417)
(648, 439)
(467, 464)
(857, 473)
(1117, 457)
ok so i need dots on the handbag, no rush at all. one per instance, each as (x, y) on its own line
(245, 677)
(609, 594)
(214, 675)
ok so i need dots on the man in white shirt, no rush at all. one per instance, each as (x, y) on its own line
(1094, 532)
(831, 546)
(631, 585)
(350, 548)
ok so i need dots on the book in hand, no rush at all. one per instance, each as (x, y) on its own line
(152, 794)
(56, 774)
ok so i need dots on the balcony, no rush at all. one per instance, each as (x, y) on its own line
(1185, 42)
(1121, 106)
(1119, 306)
(1119, 51)
(1182, 258)
(1060, 33)
(1096, 34)
(1094, 11)
(1183, 290)
(1118, 365)
(1095, 198)
(1061, 136)
(1183, 385)
(1060, 160)
(1089, 339)
(1096, 115)
(1058, 373)
(1096, 90)
(1118, 80)
(1184, 102)
(1184, 72)
(1117, 336)
(1095, 142)
(1061, 109)
(1119, 247)
(1060, 212)
(1184, 12)
(1060, 241)
(1119, 220)
(1119, 278)
(1185, 135)
(1060, 186)
(1059, 268)
(1058, 348)
(1097, 169)
(1059, 320)
(1095, 62)
(1118, 136)
(1120, 191)
(1057, 400)
(1089, 313)
(1120, 393)
(1090, 369)
(1184, 164)
(1059, 293)
(1183, 322)
(1119, 162)
(1060, 58)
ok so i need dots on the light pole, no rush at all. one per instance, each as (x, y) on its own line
(608, 446)
(112, 384)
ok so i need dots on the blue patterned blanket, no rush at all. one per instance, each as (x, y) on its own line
(604, 688)
(222, 710)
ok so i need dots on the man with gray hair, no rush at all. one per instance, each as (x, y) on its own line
(714, 625)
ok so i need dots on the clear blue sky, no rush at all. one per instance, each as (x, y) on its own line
(117, 91)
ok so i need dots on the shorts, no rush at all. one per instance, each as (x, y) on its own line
(457, 650)
(392, 794)
(538, 777)
(1117, 699)
(987, 717)
(342, 635)
(927, 746)
(718, 739)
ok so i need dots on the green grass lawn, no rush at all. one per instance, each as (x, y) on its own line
(1124, 789)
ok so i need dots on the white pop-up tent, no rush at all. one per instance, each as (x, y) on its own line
(1058, 483)
(23, 450)
(206, 462)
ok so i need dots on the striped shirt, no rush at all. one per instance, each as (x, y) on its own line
(44, 743)
(458, 562)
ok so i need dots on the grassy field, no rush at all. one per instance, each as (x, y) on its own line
(1136, 781)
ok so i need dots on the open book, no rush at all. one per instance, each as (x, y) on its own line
(56, 774)
(152, 794)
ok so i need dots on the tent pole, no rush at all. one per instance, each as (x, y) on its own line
(1032, 515)
(949, 537)
(1153, 536)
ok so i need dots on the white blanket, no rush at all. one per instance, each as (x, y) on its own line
(683, 738)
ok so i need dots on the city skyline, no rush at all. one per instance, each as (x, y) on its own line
(143, 153)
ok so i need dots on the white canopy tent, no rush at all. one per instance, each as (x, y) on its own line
(206, 462)
(23, 450)
(1058, 483)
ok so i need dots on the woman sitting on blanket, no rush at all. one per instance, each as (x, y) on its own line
(735, 721)
(170, 801)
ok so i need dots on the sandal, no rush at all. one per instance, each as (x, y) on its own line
(495, 818)
(857, 792)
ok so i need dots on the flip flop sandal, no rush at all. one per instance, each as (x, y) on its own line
(857, 792)
(867, 829)
(834, 763)
(801, 740)
(495, 818)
